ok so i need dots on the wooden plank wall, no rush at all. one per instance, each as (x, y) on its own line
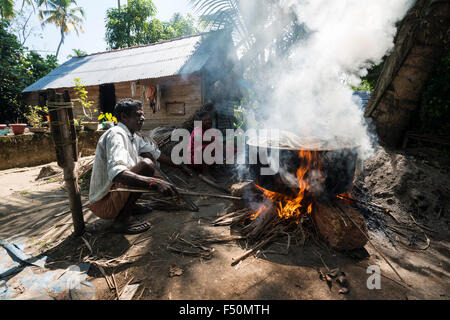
(31, 98)
(93, 95)
(186, 90)
(175, 89)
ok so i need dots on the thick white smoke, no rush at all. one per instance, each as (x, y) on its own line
(311, 95)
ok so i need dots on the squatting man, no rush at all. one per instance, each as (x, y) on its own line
(124, 159)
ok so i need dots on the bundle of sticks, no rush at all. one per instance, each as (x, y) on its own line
(263, 229)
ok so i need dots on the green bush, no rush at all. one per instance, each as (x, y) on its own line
(434, 116)
(18, 70)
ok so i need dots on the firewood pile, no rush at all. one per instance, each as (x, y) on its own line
(336, 224)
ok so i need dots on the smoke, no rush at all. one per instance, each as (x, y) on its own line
(310, 93)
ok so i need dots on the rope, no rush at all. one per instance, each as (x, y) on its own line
(54, 106)
(57, 145)
(57, 123)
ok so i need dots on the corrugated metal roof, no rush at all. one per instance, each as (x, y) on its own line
(172, 57)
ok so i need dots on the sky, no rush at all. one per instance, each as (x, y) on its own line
(46, 40)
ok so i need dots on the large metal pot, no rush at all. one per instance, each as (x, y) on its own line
(332, 174)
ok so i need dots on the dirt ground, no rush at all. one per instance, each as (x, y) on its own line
(36, 213)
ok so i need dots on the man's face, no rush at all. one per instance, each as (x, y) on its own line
(135, 120)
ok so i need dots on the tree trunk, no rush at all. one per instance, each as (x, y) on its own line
(421, 42)
(63, 132)
(60, 43)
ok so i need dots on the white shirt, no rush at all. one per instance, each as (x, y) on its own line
(117, 150)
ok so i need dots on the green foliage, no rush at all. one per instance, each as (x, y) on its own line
(18, 70)
(179, 26)
(364, 86)
(134, 24)
(35, 115)
(435, 111)
(82, 95)
(107, 117)
(77, 53)
(264, 33)
(6, 9)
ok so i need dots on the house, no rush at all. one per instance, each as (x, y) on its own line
(172, 78)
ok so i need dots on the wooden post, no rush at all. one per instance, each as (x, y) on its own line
(65, 140)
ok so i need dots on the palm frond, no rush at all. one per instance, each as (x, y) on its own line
(6, 8)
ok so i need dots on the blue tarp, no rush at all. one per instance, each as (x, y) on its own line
(44, 284)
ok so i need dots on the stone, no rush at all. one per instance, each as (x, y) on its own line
(48, 171)
(336, 227)
(246, 190)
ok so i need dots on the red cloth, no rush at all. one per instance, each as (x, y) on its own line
(192, 150)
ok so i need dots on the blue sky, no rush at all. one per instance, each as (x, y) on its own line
(92, 40)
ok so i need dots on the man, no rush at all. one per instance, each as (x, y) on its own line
(124, 159)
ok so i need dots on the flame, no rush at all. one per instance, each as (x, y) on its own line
(257, 213)
(289, 207)
(347, 197)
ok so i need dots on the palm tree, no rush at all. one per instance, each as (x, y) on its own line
(65, 14)
(7, 6)
(77, 53)
(252, 21)
(33, 2)
(264, 33)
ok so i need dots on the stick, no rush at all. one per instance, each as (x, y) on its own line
(225, 239)
(115, 286)
(231, 215)
(371, 243)
(249, 252)
(364, 202)
(140, 296)
(206, 255)
(211, 195)
(323, 262)
(180, 192)
(104, 275)
(188, 201)
(213, 184)
(125, 286)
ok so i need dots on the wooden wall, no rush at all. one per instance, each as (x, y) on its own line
(32, 98)
(93, 94)
(181, 96)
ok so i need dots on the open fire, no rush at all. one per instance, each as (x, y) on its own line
(304, 199)
(292, 207)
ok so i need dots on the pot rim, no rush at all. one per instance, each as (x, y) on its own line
(251, 142)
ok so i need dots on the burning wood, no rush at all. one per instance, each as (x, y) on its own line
(301, 206)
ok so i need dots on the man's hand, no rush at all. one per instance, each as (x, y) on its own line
(165, 188)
